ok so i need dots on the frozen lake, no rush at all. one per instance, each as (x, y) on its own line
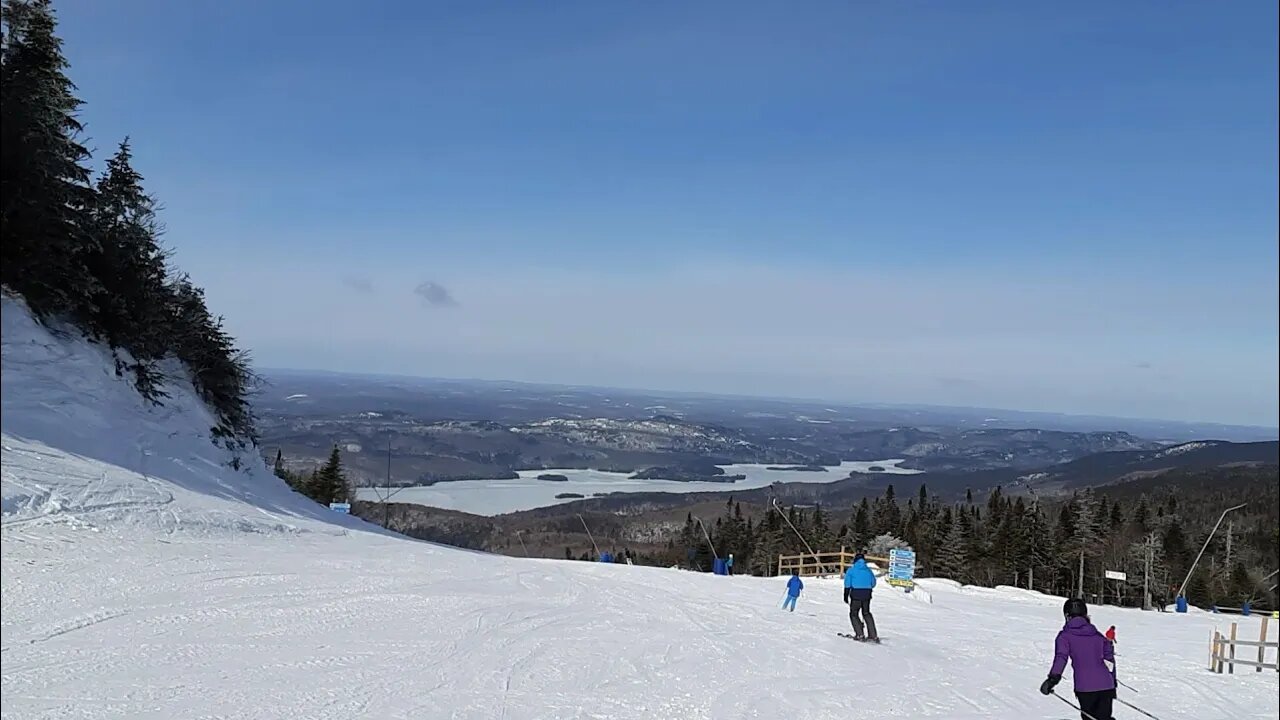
(495, 497)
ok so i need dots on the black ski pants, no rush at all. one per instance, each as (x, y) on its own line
(862, 606)
(1095, 705)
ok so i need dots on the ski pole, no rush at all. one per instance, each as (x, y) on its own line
(1127, 685)
(1135, 707)
(1083, 714)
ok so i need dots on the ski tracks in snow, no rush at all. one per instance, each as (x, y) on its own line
(121, 625)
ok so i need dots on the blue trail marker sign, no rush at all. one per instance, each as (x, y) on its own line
(902, 568)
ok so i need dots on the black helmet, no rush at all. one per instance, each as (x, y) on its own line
(1075, 607)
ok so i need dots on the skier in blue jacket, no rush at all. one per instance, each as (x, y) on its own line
(858, 583)
(794, 586)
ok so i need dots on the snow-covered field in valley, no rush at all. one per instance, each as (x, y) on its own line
(143, 578)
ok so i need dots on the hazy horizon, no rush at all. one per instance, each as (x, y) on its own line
(835, 402)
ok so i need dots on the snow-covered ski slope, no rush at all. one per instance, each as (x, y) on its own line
(143, 578)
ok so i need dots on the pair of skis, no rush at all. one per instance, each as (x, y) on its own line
(873, 641)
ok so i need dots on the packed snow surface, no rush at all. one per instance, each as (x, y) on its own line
(498, 496)
(143, 578)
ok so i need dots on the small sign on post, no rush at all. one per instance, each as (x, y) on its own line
(902, 568)
(340, 507)
(1119, 577)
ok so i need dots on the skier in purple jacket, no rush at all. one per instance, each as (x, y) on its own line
(1093, 662)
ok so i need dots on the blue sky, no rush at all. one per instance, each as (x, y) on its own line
(1066, 207)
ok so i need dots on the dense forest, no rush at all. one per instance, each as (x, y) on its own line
(1158, 522)
(86, 250)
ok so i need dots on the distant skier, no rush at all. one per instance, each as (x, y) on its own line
(728, 564)
(1111, 634)
(1093, 662)
(794, 586)
(858, 582)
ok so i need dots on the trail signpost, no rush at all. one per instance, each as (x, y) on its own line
(1120, 579)
(902, 568)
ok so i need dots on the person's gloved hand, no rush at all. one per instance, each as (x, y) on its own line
(1046, 687)
(846, 596)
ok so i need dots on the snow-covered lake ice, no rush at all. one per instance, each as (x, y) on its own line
(495, 497)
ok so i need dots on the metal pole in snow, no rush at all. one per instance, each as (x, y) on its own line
(1204, 547)
(707, 535)
(592, 539)
(1146, 575)
(793, 528)
(386, 506)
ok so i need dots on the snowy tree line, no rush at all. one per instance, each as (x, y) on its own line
(325, 484)
(1036, 543)
(87, 250)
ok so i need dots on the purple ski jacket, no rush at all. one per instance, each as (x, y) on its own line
(1093, 659)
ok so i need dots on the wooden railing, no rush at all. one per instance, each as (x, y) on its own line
(1222, 652)
(819, 564)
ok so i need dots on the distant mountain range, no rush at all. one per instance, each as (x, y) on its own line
(1097, 469)
(522, 402)
(1112, 467)
(439, 430)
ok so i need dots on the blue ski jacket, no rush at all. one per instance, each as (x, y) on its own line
(858, 580)
(794, 586)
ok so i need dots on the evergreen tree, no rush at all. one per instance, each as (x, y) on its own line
(219, 372)
(1140, 516)
(821, 531)
(953, 556)
(129, 309)
(1009, 543)
(1085, 543)
(768, 544)
(1176, 552)
(90, 255)
(690, 540)
(1040, 543)
(861, 526)
(1240, 587)
(1116, 522)
(886, 519)
(329, 484)
(44, 179)
(995, 508)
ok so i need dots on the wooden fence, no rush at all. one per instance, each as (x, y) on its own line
(1222, 651)
(819, 564)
